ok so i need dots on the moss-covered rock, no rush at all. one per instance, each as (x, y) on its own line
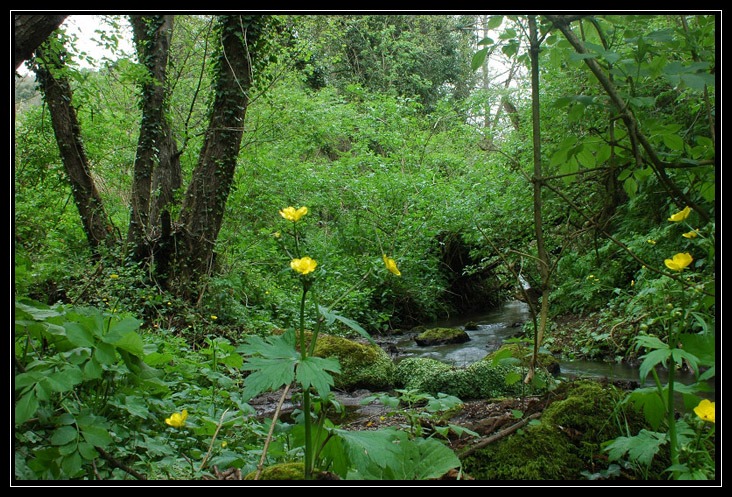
(480, 380)
(362, 365)
(567, 441)
(285, 471)
(522, 354)
(441, 336)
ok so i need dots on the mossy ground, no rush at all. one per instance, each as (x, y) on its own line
(567, 442)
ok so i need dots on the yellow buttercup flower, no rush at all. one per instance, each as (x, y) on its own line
(305, 265)
(391, 265)
(177, 419)
(679, 261)
(690, 234)
(214, 317)
(681, 215)
(114, 276)
(705, 410)
(292, 214)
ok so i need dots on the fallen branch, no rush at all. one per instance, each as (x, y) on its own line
(501, 434)
(117, 464)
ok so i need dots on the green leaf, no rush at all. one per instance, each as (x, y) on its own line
(92, 370)
(98, 436)
(650, 342)
(157, 358)
(651, 360)
(71, 464)
(673, 142)
(494, 22)
(26, 407)
(274, 367)
(132, 343)
(312, 372)
(29, 378)
(478, 58)
(364, 447)
(136, 406)
(651, 403)
(331, 316)
(391, 455)
(64, 380)
(105, 353)
(119, 329)
(64, 435)
(37, 313)
(87, 451)
(78, 335)
(586, 158)
(630, 186)
(640, 448)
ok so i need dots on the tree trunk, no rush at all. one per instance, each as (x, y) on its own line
(56, 90)
(537, 180)
(205, 201)
(157, 168)
(29, 31)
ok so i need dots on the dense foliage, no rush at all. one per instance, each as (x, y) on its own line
(377, 125)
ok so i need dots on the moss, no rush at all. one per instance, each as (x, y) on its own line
(566, 442)
(285, 471)
(439, 336)
(538, 453)
(480, 380)
(523, 355)
(362, 365)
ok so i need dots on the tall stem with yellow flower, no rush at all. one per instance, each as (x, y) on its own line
(304, 266)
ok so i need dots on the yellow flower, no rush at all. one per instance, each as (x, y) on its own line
(705, 410)
(681, 215)
(632, 282)
(679, 261)
(652, 242)
(303, 266)
(114, 276)
(224, 443)
(292, 214)
(690, 234)
(177, 419)
(391, 265)
(214, 317)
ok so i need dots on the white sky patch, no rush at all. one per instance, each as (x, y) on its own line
(93, 38)
(96, 37)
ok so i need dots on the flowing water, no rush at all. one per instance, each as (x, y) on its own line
(500, 324)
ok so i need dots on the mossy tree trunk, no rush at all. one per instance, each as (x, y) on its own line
(50, 68)
(205, 200)
(157, 171)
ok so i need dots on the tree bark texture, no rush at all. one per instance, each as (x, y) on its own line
(29, 31)
(58, 95)
(205, 200)
(156, 168)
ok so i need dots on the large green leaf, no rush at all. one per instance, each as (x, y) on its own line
(640, 448)
(273, 366)
(313, 372)
(391, 455)
(132, 343)
(26, 407)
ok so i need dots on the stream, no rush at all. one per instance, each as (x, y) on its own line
(505, 322)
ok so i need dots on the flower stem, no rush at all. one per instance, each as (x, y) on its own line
(306, 392)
